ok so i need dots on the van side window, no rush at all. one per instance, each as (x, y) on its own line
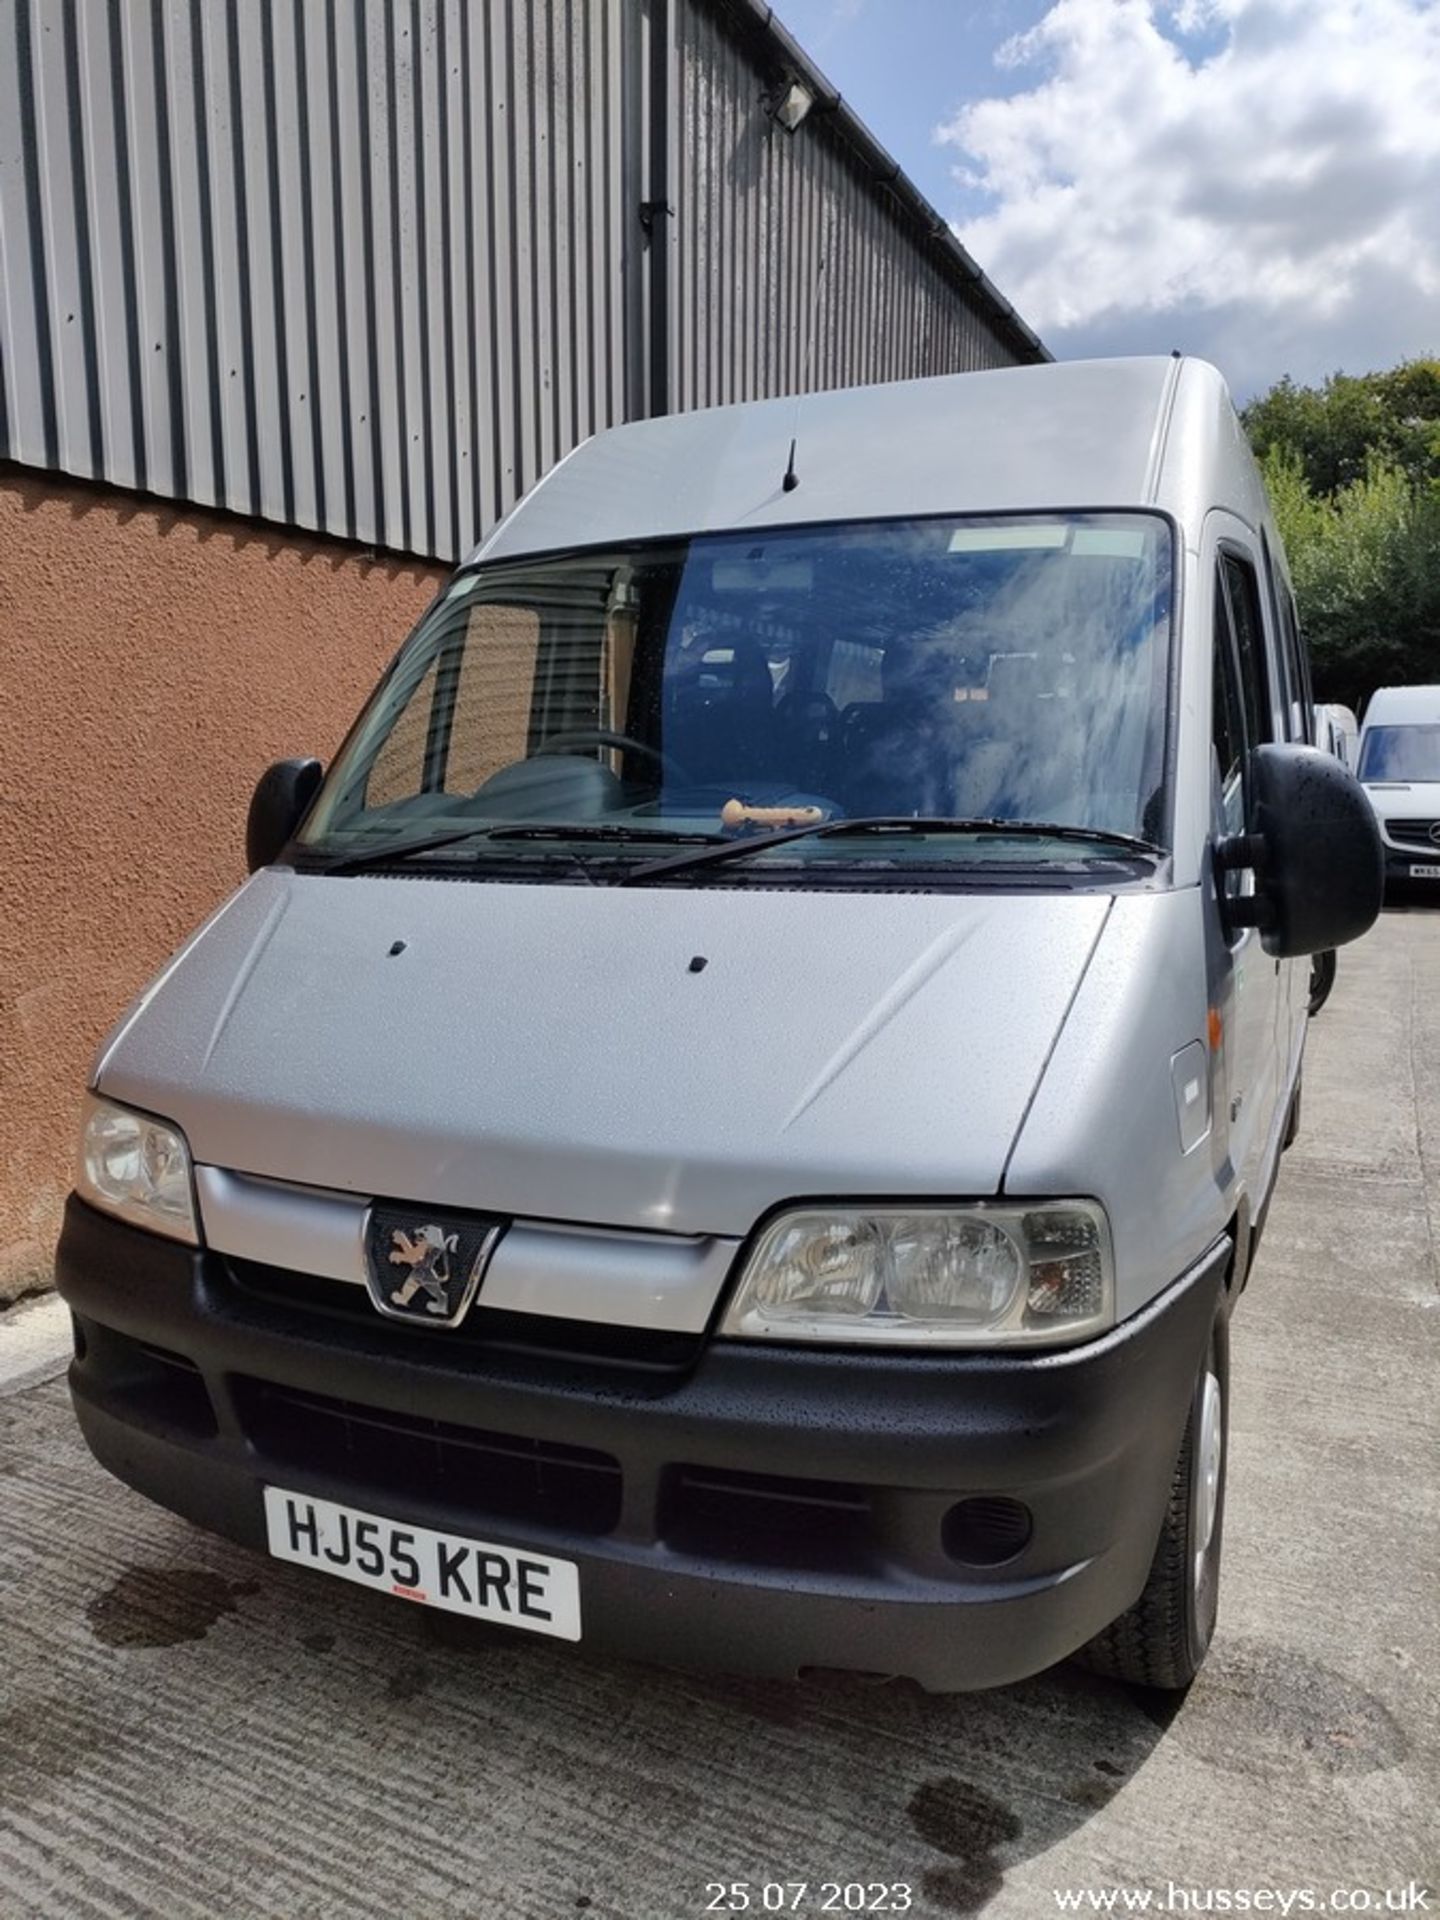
(489, 722)
(399, 768)
(1228, 724)
(1242, 593)
(1296, 697)
(1287, 664)
(1299, 656)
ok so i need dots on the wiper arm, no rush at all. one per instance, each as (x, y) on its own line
(1062, 830)
(889, 823)
(395, 850)
(606, 831)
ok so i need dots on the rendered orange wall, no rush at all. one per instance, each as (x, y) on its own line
(152, 662)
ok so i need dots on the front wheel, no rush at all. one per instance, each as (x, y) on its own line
(1322, 980)
(1162, 1639)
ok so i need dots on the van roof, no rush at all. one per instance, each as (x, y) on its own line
(1401, 706)
(1159, 432)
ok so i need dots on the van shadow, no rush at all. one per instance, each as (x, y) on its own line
(948, 1793)
(952, 1791)
(622, 1782)
(992, 1778)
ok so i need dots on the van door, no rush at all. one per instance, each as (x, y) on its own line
(1242, 708)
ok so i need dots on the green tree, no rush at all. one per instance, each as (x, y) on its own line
(1353, 469)
(1337, 429)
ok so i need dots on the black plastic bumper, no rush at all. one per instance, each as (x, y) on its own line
(1399, 866)
(763, 1510)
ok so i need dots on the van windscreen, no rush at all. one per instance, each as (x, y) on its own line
(1401, 753)
(1011, 669)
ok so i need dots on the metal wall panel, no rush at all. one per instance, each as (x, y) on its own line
(348, 265)
(370, 267)
(792, 265)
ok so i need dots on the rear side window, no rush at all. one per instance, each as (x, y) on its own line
(1295, 649)
(1303, 711)
(1241, 591)
(1294, 674)
(1228, 723)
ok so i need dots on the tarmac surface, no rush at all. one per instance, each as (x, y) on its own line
(189, 1730)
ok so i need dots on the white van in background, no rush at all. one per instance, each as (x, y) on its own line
(1399, 767)
(1338, 732)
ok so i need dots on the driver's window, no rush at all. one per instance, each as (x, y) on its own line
(1228, 723)
(399, 769)
(1242, 592)
(494, 682)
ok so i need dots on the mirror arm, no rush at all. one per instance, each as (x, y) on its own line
(1245, 853)
(1241, 851)
(1250, 910)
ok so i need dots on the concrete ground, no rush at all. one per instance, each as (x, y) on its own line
(190, 1730)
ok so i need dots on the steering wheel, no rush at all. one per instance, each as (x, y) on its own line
(608, 737)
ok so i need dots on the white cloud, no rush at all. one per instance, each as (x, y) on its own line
(1255, 194)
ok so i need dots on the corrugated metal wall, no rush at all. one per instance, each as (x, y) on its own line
(792, 268)
(369, 267)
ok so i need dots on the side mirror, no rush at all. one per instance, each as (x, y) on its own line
(1315, 850)
(279, 803)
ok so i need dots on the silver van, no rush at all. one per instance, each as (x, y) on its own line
(729, 1123)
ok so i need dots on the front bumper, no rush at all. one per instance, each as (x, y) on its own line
(1400, 863)
(756, 1509)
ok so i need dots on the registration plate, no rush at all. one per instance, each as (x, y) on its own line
(505, 1584)
(1425, 873)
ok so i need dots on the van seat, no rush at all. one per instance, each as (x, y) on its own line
(891, 759)
(719, 724)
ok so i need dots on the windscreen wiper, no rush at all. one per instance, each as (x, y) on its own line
(395, 851)
(607, 830)
(740, 849)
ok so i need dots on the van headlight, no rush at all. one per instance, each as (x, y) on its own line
(136, 1167)
(978, 1276)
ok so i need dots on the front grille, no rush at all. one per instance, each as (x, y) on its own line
(492, 1475)
(484, 1330)
(1413, 833)
(763, 1519)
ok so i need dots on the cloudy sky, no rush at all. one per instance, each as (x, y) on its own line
(1257, 181)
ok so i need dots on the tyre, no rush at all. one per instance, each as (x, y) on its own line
(1162, 1639)
(1322, 979)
